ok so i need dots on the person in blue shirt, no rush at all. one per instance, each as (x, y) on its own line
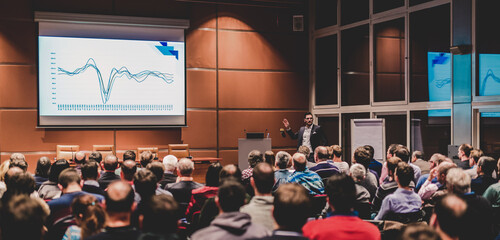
(281, 174)
(305, 177)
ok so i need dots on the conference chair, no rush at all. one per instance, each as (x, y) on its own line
(67, 151)
(179, 150)
(105, 150)
(154, 151)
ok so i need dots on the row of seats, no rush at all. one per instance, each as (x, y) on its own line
(69, 151)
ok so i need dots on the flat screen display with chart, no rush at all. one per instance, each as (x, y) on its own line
(111, 82)
(439, 80)
(489, 74)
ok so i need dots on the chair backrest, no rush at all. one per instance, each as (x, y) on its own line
(179, 150)
(406, 218)
(67, 151)
(105, 150)
(318, 203)
(154, 151)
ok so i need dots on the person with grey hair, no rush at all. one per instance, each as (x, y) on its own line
(417, 158)
(428, 189)
(182, 189)
(17, 156)
(305, 177)
(358, 173)
(479, 216)
(170, 163)
(485, 167)
(281, 164)
(254, 157)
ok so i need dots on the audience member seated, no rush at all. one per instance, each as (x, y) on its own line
(403, 153)
(390, 153)
(4, 167)
(23, 218)
(363, 205)
(119, 205)
(96, 157)
(419, 232)
(429, 189)
(389, 185)
(145, 185)
(89, 217)
(49, 189)
(269, 157)
(200, 195)
(281, 165)
(159, 219)
(374, 164)
(449, 217)
(434, 161)
(305, 177)
(307, 152)
(42, 171)
(362, 156)
(145, 158)
(261, 205)
(182, 190)
(60, 207)
(128, 170)
(230, 223)
(404, 201)
(335, 154)
(478, 218)
(417, 158)
(485, 167)
(18, 183)
(492, 193)
(291, 208)
(109, 164)
(170, 162)
(90, 174)
(157, 169)
(79, 159)
(463, 154)
(254, 157)
(342, 223)
(20, 163)
(127, 155)
(323, 168)
(474, 157)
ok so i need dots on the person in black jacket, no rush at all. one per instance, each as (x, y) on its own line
(310, 135)
(90, 174)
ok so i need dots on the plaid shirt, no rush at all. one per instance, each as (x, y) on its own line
(308, 179)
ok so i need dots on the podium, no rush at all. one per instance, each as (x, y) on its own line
(245, 146)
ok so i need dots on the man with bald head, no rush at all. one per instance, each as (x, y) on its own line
(128, 170)
(323, 168)
(305, 177)
(119, 204)
(110, 164)
(79, 159)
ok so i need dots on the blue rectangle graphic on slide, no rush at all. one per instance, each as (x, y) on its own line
(110, 77)
(489, 74)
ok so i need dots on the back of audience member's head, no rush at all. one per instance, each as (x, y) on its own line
(403, 153)
(436, 159)
(160, 215)
(269, 157)
(110, 163)
(157, 169)
(322, 153)
(283, 160)
(263, 178)
(19, 183)
(146, 158)
(392, 163)
(466, 148)
(417, 155)
(185, 167)
(443, 169)
(392, 148)
(299, 161)
(69, 176)
(336, 151)
(170, 162)
(212, 176)
(90, 170)
(4, 167)
(129, 155)
(404, 174)
(95, 156)
(23, 218)
(371, 150)
(145, 183)
(22, 164)
(475, 155)
(362, 156)
(119, 197)
(90, 215)
(17, 156)
(231, 196)
(254, 157)
(357, 172)
(42, 167)
(419, 232)
(291, 207)
(449, 215)
(11, 172)
(487, 165)
(230, 171)
(56, 169)
(128, 168)
(304, 150)
(457, 181)
(80, 157)
(341, 193)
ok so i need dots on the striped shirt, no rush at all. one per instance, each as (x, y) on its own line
(309, 180)
(325, 169)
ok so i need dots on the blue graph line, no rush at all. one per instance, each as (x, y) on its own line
(440, 83)
(116, 73)
(489, 74)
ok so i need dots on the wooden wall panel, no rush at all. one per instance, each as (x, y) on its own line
(239, 89)
(251, 50)
(200, 49)
(229, 157)
(256, 18)
(132, 139)
(201, 88)
(233, 123)
(18, 42)
(202, 129)
(18, 86)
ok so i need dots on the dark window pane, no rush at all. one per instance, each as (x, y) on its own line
(430, 60)
(326, 13)
(488, 77)
(330, 126)
(415, 2)
(355, 66)
(389, 54)
(431, 131)
(346, 133)
(352, 11)
(384, 5)
(395, 129)
(489, 137)
(326, 70)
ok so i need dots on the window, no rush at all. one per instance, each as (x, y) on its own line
(488, 49)
(384, 5)
(326, 13)
(352, 11)
(431, 131)
(415, 2)
(395, 129)
(489, 138)
(326, 70)
(330, 126)
(355, 66)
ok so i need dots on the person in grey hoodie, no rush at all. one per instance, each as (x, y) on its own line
(230, 223)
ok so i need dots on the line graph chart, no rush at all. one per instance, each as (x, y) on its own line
(489, 82)
(439, 76)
